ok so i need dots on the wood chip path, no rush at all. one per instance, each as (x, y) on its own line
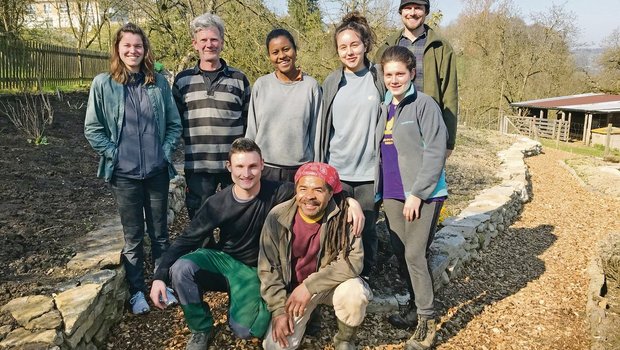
(529, 289)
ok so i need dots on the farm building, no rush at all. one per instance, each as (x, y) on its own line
(569, 117)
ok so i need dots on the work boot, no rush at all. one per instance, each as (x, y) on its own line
(424, 334)
(200, 340)
(345, 338)
(406, 317)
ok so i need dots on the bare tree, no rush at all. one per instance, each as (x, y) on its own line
(12, 15)
(503, 59)
(608, 80)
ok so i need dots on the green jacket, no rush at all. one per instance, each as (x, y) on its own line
(274, 258)
(440, 81)
(106, 111)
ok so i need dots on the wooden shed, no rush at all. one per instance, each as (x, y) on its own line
(580, 113)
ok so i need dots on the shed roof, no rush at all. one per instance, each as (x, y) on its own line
(592, 103)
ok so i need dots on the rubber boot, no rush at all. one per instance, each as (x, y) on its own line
(424, 335)
(345, 338)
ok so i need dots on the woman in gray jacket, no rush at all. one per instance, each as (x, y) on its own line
(412, 139)
(351, 99)
(133, 123)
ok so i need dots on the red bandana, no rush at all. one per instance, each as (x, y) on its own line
(328, 173)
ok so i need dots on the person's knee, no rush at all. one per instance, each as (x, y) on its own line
(350, 301)
(182, 272)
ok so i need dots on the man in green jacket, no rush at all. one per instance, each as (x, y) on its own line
(309, 256)
(435, 61)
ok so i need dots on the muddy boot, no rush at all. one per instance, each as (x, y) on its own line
(406, 317)
(424, 334)
(345, 338)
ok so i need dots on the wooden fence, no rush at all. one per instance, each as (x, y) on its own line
(23, 64)
(536, 127)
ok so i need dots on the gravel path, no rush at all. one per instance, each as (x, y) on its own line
(529, 289)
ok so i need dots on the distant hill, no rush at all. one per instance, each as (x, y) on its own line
(586, 58)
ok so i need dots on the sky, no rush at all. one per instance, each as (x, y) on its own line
(595, 20)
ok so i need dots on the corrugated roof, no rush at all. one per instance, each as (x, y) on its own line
(596, 103)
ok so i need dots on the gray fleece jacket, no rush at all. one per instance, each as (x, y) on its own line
(420, 137)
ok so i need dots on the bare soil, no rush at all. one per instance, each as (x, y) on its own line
(50, 196)
(526, 292)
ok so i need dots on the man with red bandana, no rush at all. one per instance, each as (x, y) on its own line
(310, 256)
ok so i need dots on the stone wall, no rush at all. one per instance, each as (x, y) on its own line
(81, 311)
(490, 213)
(603, 305)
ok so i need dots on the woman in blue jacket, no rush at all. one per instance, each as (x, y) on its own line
(133, 123)
(411, 137)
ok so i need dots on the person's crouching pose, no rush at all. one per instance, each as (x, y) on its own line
(309, 256)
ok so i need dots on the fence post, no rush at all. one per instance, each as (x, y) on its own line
(557, 136)
(608, 140)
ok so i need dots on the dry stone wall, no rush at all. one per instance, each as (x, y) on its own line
(603, 305)
(81, 311)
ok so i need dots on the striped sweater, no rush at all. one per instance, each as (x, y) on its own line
(213, 115)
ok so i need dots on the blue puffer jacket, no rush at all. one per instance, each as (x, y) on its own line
(105, 113)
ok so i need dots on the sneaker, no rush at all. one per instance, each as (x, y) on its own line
(406, 317)
(424, 335)
(199, 341)
(172, 300)
(138, 303)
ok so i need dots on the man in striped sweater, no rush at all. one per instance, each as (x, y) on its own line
(212, 99)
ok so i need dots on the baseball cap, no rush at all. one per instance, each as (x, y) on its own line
(404, 3)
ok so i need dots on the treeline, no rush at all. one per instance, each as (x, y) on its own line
(501, 57)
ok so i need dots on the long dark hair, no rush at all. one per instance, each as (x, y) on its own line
(118, 70)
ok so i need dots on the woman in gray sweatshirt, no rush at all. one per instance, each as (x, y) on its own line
(283, 112)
